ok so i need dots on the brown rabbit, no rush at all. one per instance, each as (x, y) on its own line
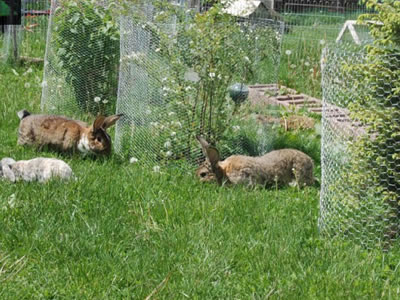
(279, 167)
(66, 134)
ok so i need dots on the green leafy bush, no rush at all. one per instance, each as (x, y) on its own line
(200, 55)
(368, 189)
(87, 39)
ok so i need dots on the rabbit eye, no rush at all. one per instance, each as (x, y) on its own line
(99, 139)
(203, 174)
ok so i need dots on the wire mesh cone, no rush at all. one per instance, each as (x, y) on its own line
(360, 188)
(81, 61)
(169, 92)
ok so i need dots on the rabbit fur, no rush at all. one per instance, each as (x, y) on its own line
(40, 169)
(279, 167)
(65, 134)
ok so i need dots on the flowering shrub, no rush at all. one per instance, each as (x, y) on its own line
(201, 56)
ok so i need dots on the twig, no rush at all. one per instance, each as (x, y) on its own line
(17, 271)
(32, 59)
(159, 287)
(271, 292)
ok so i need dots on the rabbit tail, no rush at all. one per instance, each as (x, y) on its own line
(23, 113)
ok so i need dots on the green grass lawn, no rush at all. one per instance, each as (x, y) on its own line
(122, 231)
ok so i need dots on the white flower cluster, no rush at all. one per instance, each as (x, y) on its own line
(27, 71)
(133, 56)
(98, 99)
(236, 128)
(176, 123)
(133, 160)
(167, 144)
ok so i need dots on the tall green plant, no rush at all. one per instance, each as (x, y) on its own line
(201, 55)
(87, 40)
(374, 172)
(381, 107)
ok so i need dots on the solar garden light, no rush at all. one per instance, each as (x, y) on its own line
(238, 92)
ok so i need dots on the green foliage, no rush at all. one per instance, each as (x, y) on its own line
(380, 106)
(386, 29)
(250, 136)
(372, 175)
(200, 58)
(87, 39)
(211, 52)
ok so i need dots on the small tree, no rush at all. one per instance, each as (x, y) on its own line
(200, 55)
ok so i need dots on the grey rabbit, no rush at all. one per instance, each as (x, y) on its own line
(41, 169)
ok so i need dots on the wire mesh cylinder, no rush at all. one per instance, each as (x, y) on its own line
(360, 174)
(81, 62)
(174, 80)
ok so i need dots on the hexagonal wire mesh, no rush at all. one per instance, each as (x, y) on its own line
(27, 40)
(174, 77)
(81, 61)
(360, 146)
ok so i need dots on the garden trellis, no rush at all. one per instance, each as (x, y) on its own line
(360, 145)
(174, 74)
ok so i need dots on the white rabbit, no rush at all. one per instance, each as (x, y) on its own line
(40, 169)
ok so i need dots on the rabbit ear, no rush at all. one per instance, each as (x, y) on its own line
(212, 155)
(110, 120)
(8, 173)
(209, 152)
(204, 144)
(98, 123)
(202, 141)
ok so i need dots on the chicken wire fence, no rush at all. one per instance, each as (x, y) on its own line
(82, 58)
(28, 40)
(360, 161)
(309, 27)
(319, 6)
(174, 80)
